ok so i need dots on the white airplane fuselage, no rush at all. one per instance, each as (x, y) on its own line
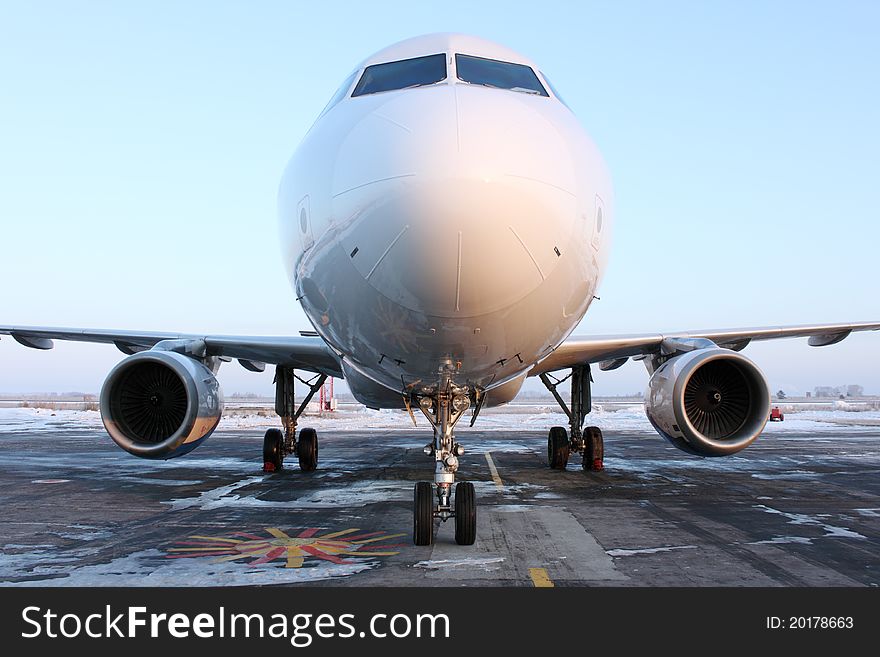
(450, 225)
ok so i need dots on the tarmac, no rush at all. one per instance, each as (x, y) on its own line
(795, 509)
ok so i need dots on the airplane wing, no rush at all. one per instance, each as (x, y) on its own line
(612, 351)
(306, 353)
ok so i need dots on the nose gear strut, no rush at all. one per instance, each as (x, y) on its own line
(443, 406)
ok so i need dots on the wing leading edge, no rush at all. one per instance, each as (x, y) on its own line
(309, 353)
(313, 354)
(612, 351)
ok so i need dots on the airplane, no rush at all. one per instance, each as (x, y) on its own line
(445, 225)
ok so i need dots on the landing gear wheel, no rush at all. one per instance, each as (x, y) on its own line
(307, 450)
(423, 513)
(273, 450)
(465, 513)
(558, 448)
(594, 449)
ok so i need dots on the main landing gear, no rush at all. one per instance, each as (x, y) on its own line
(277, 443)
(589, 441)
(444, 407)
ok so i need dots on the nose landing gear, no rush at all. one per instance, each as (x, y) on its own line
(444, 407)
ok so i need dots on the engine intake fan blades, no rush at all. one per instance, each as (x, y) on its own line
(152, 401)
(717, 399)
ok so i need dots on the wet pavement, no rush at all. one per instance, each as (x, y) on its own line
(795, 509)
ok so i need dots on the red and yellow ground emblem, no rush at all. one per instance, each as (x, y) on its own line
(333, 547)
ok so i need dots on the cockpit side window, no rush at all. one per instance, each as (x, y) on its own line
(417, 72)
(339, 95)
(502, 75)
(553, 89)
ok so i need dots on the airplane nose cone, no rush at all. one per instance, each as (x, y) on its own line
(455, 201)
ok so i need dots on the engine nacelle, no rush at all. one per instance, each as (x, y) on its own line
(708, 402)
(160, 404)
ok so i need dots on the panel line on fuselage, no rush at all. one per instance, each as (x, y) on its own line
(542, 182)
(458, 276)
(373, 182)
(529, 252)
(387, 251)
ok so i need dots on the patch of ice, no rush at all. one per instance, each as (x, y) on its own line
(214, 498)
(439, 564)
(160, 482)
(661, 467)
(152, 568)
(37, 560)
(831, 531)
(792, 475)
(513, 508)
(784, 540)
(489, 488)
(96, 535)
(501, 446)
(621, 552)
(359, 493)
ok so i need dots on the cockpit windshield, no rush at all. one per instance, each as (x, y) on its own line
(403, 74)
(502, 75)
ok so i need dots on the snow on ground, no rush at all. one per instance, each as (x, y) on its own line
(358, 493)
(153, 568)
(628, 553)
(41, 419)
(519, 417)
(487, 563)
(831, 531)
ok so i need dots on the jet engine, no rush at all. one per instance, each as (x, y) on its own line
(708, 402)
(160, 404)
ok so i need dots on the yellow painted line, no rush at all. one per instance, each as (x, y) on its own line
(497, 479)
(277, 533)
(379, 538)
(540, 578)
(214, 538)
(335, 534)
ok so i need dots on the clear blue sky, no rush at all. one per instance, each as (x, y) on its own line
(141, 146)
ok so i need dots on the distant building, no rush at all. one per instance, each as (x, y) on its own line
(854, 390)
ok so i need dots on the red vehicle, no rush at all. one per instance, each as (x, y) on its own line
(776, 415)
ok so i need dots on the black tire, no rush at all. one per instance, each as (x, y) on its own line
(273, 450)
(423, 513)
(558, 448)
(594, 449)
(307, 450)
(465, 513)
